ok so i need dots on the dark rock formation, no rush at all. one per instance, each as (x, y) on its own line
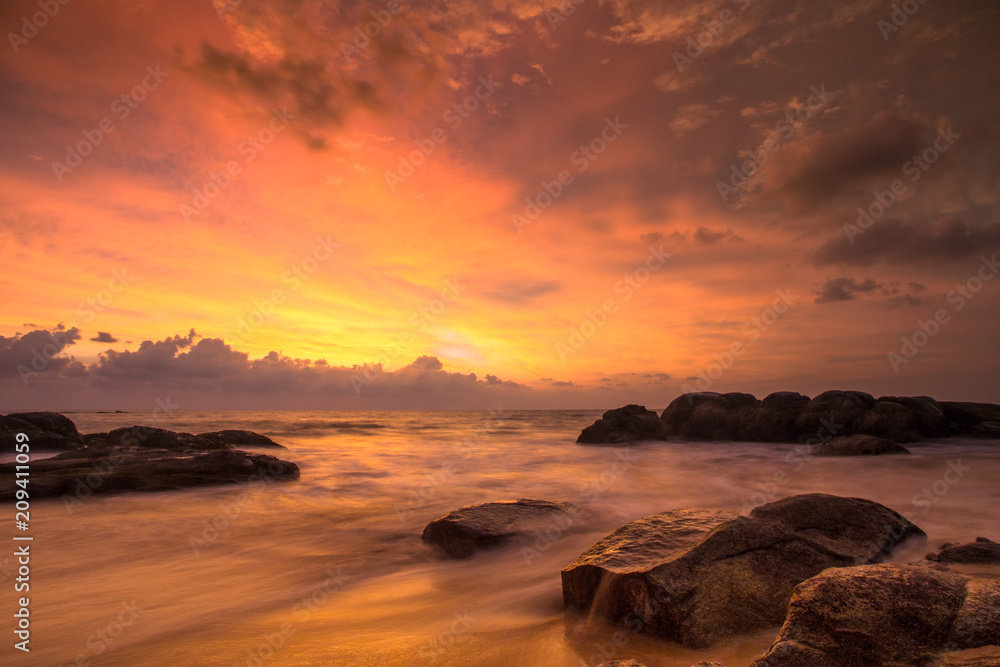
(722, 417)
(981, 552)
(135, 458)
(628, 424)
(859, 445)
(631, 551)
(470, 529)
(786, 416)
(45, 430)
(776, 418)
(974, 419)
(834, 413)
(736, 578)
(110, 469)
(239, 438)
(882, 615)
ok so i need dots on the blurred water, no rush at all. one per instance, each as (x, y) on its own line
(330, 570)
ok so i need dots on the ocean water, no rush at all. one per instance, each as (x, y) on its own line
(330, 570)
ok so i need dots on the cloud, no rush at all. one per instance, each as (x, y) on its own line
(522, 292)
(849, 289)
(816, 166)
(897, 242)
(693, 116)
(563, 383)
(706, 236)
(208, 371)
(104, 337)
(24, 356)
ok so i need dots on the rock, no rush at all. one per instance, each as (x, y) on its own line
(722, 417)
(627, 424)
(738, 577)
(844, 409)
(859, 445)
(633, 550)
(470, 529)
(676, 415)
(775, 419)
(622, 663)
(972, 419)
(160, 438)
(239, 438)
(980, 552)
(884, 615)
(45, 431)
(109, 469)
(930, 417)
(705, 663)
(51, 422)
(892, 421)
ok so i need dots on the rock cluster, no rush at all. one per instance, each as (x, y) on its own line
(695, 577)
(134, 458)
(791, 417)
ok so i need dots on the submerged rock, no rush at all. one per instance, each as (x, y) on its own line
(238, 438)
(699, 588)
(884, 615)
(470, 529)
(628, 424)
(981, 552)
(109, 469)
(859, 445)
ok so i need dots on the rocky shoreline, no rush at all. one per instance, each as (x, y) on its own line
(811, 565)
(134, 458)
(791, 417)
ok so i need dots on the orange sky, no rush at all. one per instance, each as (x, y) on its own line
(323, 256)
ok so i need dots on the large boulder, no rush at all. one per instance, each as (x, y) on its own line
(930, 417)
(972, 419)
(859, 445)
(981, 552)
(463, 532)
(676, 415)
(627, 424)
(833, 413)
(630, 552)
(109, 469)
(45, 431)
(890, 420)
(776, 417)
(738, 577)
(722, 417)
(885, 615)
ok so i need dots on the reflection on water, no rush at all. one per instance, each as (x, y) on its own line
(331, 570)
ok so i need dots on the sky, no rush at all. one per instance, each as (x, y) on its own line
(313, 204)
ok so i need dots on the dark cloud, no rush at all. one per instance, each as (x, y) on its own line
(818, 167)
(199, 370)
(897, 242)
(521, 292)
(316, 93)
(104, 337)
(26, 356)
(562, 383)
(848, 289)
(706, 236)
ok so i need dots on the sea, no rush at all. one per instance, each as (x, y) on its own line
(331, 570)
